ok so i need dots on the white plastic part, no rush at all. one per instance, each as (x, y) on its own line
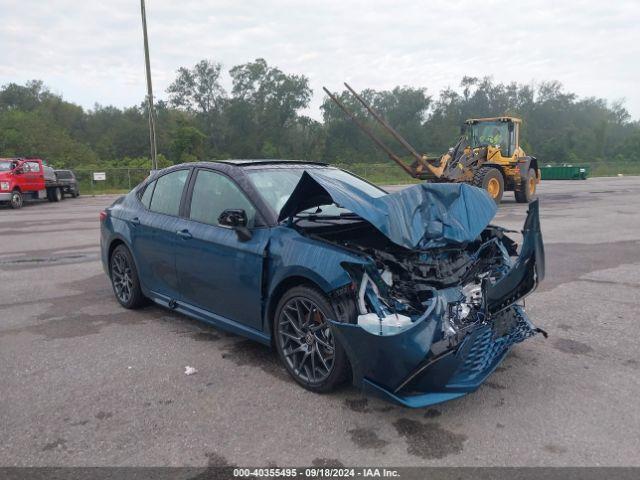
(366, 280)
(389, 325)
(387, 277)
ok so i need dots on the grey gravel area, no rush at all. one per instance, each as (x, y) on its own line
(85, 382)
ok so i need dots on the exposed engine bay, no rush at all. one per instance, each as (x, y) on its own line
(403, 286)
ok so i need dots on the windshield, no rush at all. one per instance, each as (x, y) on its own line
(488, 133)
(5, 165)
(276, 186)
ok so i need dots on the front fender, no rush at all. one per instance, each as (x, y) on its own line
(292, 254)
(526, 163)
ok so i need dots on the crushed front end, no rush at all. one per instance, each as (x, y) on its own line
(432, 325)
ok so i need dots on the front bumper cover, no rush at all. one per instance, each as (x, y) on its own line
(418, 367)
(411, 370)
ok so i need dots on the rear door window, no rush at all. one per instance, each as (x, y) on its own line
(168, 192)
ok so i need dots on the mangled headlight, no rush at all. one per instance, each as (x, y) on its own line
(374, 315)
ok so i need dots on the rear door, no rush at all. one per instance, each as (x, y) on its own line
(218, 272)
(154, 233)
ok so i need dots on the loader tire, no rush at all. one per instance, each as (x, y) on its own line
(527, 188)
(491, 180)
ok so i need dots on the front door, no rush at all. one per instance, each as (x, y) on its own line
(32, 172)
(218, 272)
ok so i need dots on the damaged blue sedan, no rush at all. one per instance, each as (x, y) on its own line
(413, 296)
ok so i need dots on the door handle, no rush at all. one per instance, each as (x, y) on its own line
(184, 234)
(135, 221)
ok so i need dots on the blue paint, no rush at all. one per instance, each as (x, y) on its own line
(213, 276)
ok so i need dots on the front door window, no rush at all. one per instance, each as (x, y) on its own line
(213, 193)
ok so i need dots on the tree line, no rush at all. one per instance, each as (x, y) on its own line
(263, 117)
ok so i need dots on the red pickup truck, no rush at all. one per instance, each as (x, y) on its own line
(27, 179)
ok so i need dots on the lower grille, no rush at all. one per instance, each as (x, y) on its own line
(486, 349)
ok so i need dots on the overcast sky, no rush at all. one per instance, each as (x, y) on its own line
(91, 51)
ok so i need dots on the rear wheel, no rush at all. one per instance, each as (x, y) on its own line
(16, 201)
(305, 342)
(54, 194)
(527, 187)
(491, 180)
(124, 278)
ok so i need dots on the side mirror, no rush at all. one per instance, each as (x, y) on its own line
(237, 220)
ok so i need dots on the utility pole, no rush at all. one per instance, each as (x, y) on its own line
(152, 116)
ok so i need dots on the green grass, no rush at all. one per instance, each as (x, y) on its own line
(606, 169)
(390, 174)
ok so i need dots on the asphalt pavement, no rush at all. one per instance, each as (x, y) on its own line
(85, 382)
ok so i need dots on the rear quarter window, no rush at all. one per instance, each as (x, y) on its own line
(146, 195)
(168, 192)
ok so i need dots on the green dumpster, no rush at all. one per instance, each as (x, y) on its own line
(564, 172)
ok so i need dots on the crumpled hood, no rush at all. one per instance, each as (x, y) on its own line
(422, 216)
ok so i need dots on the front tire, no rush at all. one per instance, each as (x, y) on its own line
(305, 343)
(490, 179)
(527, 188)
(16, 201)
(124, 279)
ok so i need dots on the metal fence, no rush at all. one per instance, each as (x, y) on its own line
(124, 179)
(116, 179)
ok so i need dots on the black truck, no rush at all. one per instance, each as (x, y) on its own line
(68, 183)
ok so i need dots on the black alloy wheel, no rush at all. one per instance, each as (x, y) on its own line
(305, 342)
(124, 278)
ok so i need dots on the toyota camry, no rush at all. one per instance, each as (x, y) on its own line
(413, 296)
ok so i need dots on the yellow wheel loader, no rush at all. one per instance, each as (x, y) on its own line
(487, 155)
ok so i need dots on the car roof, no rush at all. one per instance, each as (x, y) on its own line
(267, 161)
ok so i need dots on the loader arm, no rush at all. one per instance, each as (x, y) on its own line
(417, 168)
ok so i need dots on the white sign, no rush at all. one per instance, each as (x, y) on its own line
(99, 176)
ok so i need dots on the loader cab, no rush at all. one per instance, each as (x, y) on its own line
(498, 134)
